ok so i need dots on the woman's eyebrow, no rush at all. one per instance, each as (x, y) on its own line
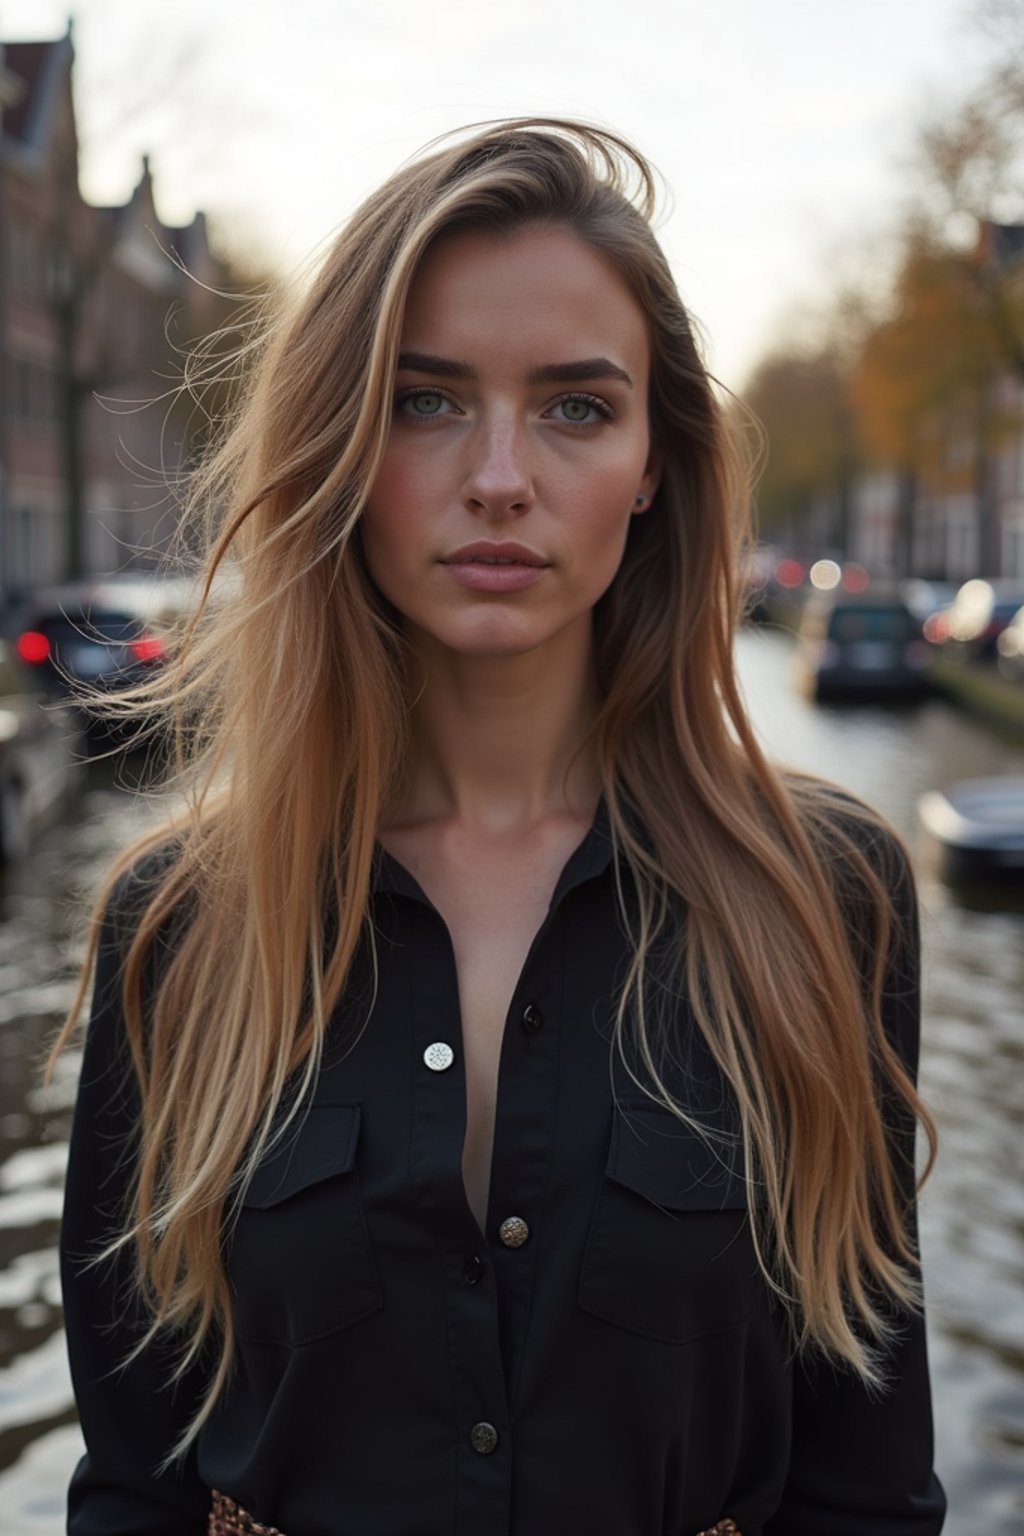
(549, 373)
(428, 362)
(575, 373)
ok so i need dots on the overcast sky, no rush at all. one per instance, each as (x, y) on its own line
(782, 127)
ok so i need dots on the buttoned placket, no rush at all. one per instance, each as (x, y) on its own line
(490, 1276)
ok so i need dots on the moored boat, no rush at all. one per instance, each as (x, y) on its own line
(978, 825)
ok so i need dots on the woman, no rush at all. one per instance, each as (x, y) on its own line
(497, 1112)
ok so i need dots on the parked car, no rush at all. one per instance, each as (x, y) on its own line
(1010, 649)
(41, 756)
(100, 635)
(853, 644)
(978, 825)
(972, 624)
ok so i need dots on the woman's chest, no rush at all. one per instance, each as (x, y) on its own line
(431, 1135)
(493, 902)
(491, 931)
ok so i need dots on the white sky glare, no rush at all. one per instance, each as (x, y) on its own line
(779, 126)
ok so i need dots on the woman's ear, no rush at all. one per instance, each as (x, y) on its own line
(645, 491)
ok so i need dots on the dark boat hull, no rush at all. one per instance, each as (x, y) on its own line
(978, 827)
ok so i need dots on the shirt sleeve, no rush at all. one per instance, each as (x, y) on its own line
(862, 1462)
(130, 1414)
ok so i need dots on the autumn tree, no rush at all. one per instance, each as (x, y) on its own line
(914, 385)
(801, 398)
(103, 362)
(930, 358)
(927, 387)
(969, 201)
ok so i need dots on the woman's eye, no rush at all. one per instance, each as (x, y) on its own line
(582, 410)
(423, 403)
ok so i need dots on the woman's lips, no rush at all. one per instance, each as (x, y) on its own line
(482, 577)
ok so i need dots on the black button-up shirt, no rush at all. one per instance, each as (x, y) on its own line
(604, 1357)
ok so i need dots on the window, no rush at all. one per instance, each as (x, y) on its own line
(34, 392)
(850, 624)
(961, 538)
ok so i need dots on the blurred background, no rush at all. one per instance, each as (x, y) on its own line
(844, 212)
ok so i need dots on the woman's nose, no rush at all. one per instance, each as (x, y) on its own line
(499, 478)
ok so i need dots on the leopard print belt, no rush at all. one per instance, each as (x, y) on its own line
(229, 1519)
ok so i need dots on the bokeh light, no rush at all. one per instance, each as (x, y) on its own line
(825, 575)
(855, 578)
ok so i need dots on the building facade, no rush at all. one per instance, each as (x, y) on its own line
(96, 306)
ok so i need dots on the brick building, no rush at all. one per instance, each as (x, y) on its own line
(93, 302)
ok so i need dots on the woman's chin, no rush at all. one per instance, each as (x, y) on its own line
(485, 637)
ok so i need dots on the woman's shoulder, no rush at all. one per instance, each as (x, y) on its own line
(869, 869)
(850, 833)
(135, 879)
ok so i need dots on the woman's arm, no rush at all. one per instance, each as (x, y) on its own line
(861, 1462)
(130, 1416)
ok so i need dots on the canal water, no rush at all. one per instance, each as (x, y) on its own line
(972, 1072)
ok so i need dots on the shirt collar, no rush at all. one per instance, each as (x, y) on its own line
(587, 860)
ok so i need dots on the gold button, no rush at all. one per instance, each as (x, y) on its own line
(483, 1437)
(513, 1231)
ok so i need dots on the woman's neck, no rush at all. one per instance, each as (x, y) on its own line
(493, 736)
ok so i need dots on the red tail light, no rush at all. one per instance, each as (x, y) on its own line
(855, 578)
(32, 646)
(147, 648)
(789, 573)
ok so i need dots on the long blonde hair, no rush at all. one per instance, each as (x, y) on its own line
(290, 715)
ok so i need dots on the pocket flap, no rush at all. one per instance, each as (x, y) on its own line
(658, 1157)
(321, 1145)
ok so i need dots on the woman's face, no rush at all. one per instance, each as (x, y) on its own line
(520, 419)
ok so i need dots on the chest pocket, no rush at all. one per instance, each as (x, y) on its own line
(669, 1252)
(300, 1261)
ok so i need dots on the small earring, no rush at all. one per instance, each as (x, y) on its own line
(641, 500)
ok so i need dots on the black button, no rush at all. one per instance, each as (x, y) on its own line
(532, 1018)
(472, 1270)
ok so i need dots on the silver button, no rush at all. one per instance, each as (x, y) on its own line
(438, 1056)
(513, 1231)
(483, 1438)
